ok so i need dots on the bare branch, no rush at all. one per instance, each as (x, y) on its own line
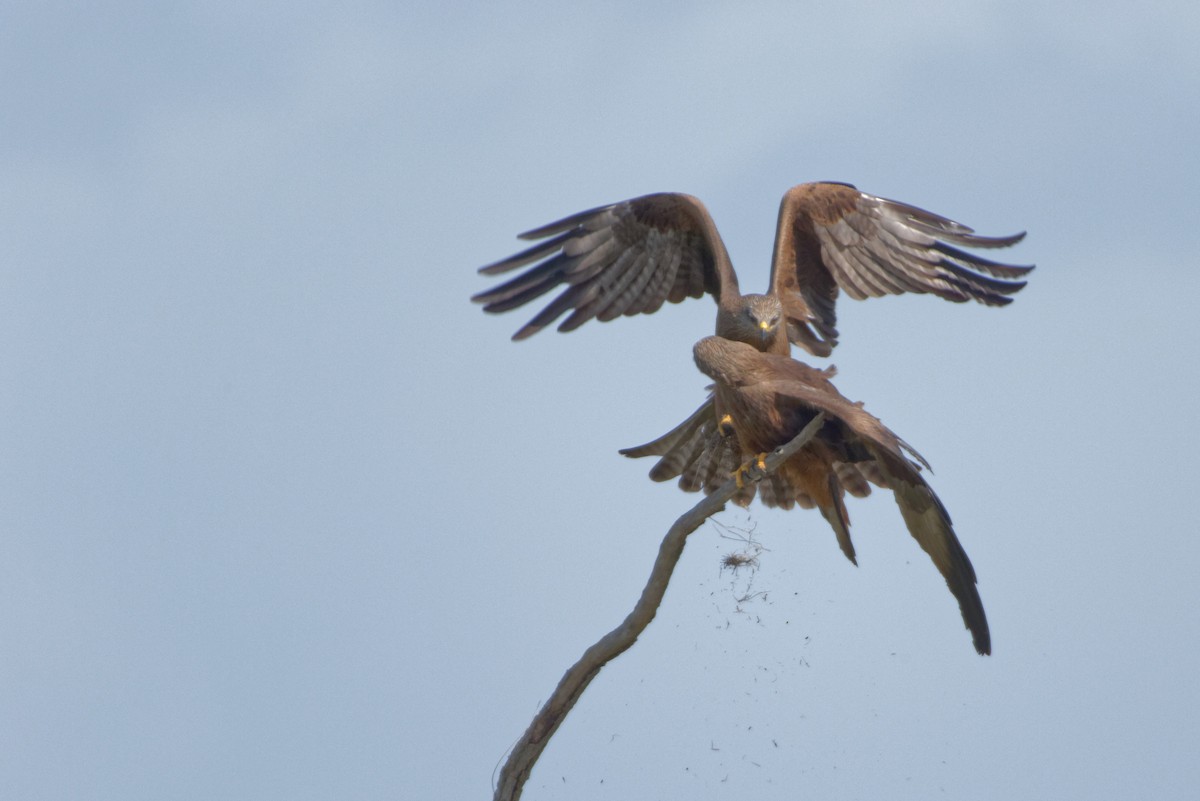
(529, 748)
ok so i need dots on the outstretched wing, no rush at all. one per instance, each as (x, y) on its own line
(863, 439)
(623, 259)
(831, 236)
(777, 396)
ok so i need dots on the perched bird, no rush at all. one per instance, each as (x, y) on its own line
(766, 399)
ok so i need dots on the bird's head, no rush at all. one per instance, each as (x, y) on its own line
(762, 318)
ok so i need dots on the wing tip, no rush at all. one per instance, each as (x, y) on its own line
(525, 331)
(495, 268)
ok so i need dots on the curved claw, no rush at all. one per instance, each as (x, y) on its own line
(725, 426)
(753, 470)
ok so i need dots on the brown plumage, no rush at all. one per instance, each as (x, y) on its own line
(630, 257)
(770, 398)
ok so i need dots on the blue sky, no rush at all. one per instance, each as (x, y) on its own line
(283, 515)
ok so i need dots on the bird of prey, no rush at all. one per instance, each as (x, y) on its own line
(767, 399)
(629, 257)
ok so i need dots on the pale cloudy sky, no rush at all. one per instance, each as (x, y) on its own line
(283, 516)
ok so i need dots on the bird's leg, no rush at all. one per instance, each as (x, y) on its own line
(753, 470)
(725, 427)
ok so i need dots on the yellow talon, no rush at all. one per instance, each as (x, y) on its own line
(725, 426)
(758, 463)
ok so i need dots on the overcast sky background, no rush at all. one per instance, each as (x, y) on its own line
(284, 516)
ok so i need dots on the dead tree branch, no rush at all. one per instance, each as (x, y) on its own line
(529, 748)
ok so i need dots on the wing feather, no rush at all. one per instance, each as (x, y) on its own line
(623, 259)
(609, 299)
(696, 453)
(531, 254)
(793, 391)
(658, 284)
(832, 237)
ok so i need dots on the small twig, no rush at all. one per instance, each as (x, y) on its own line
(529, 748)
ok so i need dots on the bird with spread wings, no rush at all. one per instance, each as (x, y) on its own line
(630, 257)
(768, 399)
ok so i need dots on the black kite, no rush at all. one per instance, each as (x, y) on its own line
(630, 257)
(769, 398)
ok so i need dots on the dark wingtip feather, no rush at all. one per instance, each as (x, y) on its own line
(973, 240)
(526, 332)
(555, 309)
(980, 282)
(959, 284)
(526, 256)
(567, 224)
(993, 268)
(496, 268)
(576, 319)
(519, 291)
